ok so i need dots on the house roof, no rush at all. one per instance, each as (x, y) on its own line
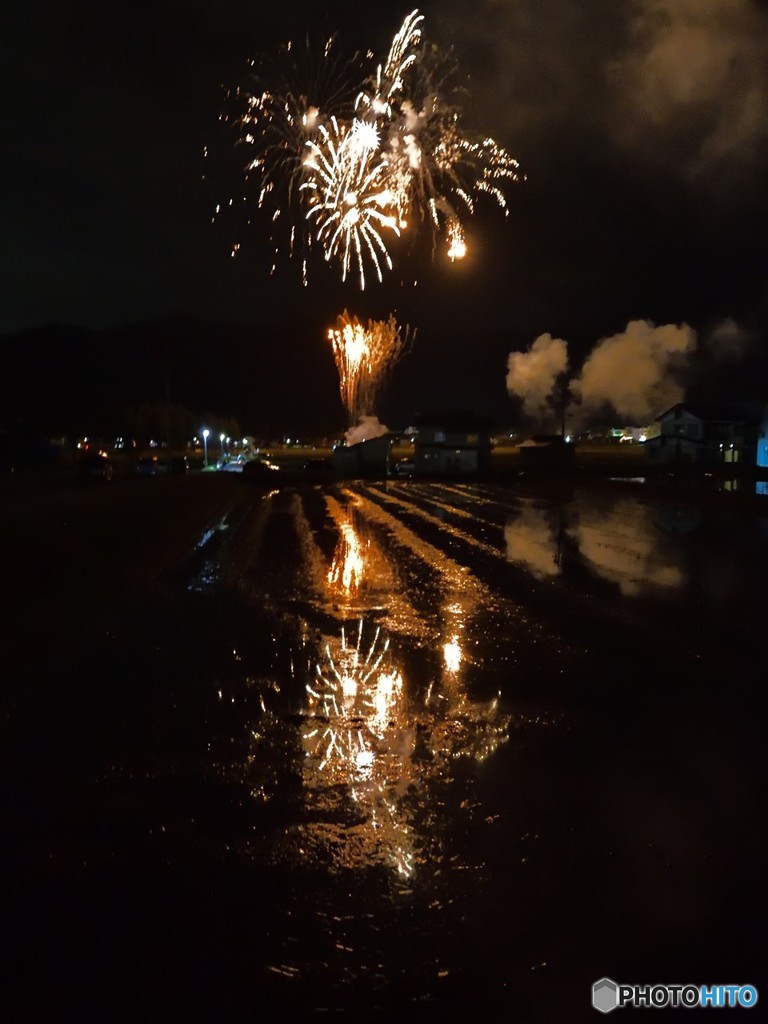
(741, 412)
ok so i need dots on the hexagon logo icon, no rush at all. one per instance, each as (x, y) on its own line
(605, 995)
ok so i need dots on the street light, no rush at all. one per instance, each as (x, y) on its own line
(206, 432)
(221, 445)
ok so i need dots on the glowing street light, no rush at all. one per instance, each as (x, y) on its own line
(205, 433)
(221, 445)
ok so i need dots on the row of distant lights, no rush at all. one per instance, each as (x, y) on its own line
(205, 434)
(120, 442)
(84, 443)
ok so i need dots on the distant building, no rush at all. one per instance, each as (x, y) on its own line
(712, 435)
(451, 443)
(369, 458)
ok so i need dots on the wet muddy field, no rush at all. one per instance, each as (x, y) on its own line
(397, 748)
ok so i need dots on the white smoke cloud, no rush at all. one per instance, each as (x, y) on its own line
(636, 373)
(532, 375)
(366, 429)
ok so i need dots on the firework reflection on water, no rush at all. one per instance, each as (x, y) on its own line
(370, 752)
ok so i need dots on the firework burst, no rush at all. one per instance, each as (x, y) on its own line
(364, 354)
(348, 197)
(440, 169)
(288, 98)
(354, 168)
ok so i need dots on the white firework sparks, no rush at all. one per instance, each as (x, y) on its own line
(287, 98)
(348, 199)
(355, 175)
(389, 79)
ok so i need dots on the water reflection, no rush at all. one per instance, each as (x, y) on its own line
(454, 616)
(346, 572)
(452, 655)
(364, 770)
(361, 577)
(358, 742)
(205, 567)
(534, 538)
(615, 537)
(678, 520)
(372, 750)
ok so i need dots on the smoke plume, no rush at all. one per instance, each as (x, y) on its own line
(366, 429)
(532, 375)
(635, 373)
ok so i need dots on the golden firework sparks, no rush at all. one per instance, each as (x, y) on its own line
(457, 246)
(364, 355)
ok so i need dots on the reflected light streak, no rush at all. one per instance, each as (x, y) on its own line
(452, 655)
(348, 566)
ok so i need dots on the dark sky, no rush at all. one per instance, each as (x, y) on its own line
(641, 128)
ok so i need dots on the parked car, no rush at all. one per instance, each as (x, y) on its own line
(261, 471)
(404, 468)
(147, 466)
(235, 465)
(95, 466)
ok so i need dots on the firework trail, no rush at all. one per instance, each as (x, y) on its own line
(388, 80)
(354, 168)
(364, 355)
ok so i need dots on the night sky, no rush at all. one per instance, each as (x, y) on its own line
(641, 128)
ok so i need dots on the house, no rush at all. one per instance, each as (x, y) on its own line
(711, 435)
(451, 443)
(367, 458)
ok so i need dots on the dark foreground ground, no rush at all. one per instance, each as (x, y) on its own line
(387, 749)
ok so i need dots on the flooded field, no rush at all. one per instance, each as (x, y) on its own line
(381, 748)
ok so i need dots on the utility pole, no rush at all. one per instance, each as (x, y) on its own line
(560, 399)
